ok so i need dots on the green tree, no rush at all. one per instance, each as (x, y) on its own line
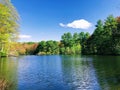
(48, 47)
(67, 39)
(105, 39)
(70, 44)
(108, 43)
(76, 38)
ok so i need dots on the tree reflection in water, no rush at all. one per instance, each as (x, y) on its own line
(108, 71)
(8, 73)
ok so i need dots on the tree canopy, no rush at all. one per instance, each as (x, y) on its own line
(106, 37)
(8, 26)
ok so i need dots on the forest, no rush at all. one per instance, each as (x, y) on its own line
(105, 40)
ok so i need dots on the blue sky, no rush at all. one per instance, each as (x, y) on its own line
(49, 19)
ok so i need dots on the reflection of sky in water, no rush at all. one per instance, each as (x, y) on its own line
(80, 74)
(42, 73)
(57, 73)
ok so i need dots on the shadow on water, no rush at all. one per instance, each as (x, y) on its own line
(108, 71)
(8, 74)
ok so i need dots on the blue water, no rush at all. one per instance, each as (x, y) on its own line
(57, 72)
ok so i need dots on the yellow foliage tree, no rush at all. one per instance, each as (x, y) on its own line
(8, 26)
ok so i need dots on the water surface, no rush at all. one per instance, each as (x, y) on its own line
(60, 72)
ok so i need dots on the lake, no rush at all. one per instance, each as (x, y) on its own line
(60, 72)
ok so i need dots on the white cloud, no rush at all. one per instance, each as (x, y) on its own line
(78, 24)
(24, 36)
(62, 25)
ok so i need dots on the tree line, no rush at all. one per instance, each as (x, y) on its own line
(105, 40)
(69, 44)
